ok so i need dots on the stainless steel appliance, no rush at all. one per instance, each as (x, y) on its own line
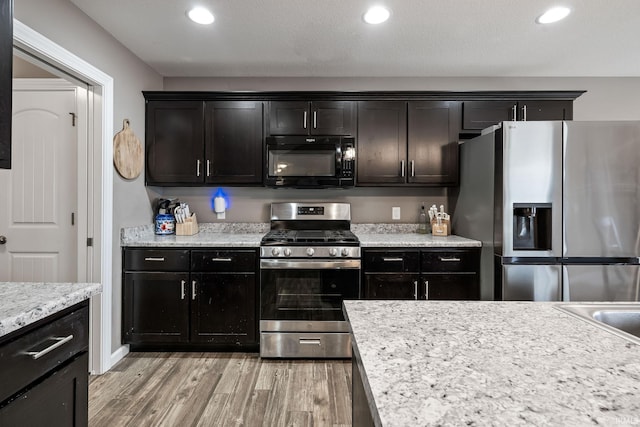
(303, 161)
(557, 207)
(309, 264)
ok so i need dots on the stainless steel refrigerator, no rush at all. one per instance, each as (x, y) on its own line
(557, 208)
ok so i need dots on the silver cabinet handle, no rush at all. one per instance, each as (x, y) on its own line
(304, 120)
(198, 167)
(413, 168)
(221, 259)
(315, 119)
(449, 259)
(310, 341)
(402, 168)
(514, 112)
(155, 259)
(208, 167)
(524, 113)
(182, 283)
(193, 289)
(385, 259)
(60, 341)
(415, 290)
(426, 289)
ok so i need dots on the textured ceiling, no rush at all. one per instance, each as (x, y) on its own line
(327, 38)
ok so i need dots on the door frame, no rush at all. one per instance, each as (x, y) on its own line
(99, 188)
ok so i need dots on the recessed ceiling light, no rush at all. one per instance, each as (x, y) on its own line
(376, 15)
(553, 15)
(200, 15)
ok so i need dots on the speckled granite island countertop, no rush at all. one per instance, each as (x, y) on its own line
(250, 234)
(444, 363)
(24, 303)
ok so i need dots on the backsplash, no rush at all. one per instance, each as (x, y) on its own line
(252, 204)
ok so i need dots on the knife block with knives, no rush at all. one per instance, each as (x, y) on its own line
(440, 221)
(189, 227)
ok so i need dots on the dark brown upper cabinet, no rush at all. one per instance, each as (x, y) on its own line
(233, 142)
(478, 115)
(6, 71)
(175, 142)
(193, 142)
(312, 118)
(405, 143)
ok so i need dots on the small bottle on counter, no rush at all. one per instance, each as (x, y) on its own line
(422, 221)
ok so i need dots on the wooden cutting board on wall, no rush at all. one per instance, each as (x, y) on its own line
(127, 152)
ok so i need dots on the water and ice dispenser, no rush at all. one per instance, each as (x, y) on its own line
(532, 226)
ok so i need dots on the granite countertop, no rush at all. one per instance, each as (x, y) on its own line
(250, 234)
(491, 363)
(24, 303)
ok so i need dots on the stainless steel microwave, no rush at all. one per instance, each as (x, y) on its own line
(308, 162)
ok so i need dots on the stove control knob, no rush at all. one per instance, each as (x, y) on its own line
(333, 252)
(287, 252)
(275, 251)
(345, 251)
(310, 251)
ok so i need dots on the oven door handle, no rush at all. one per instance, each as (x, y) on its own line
(281, 264)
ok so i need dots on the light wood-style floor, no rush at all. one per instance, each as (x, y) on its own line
(221, 389)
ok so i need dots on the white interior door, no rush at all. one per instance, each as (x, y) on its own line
(40, 196)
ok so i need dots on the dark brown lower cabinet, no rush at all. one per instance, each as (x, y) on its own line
(211, 304)
(223, 310)
(44, 371)
(61, 399)
(419, 274)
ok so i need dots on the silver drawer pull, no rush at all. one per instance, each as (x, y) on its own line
(310, 341)
(385, 259)
(154, 259)
(60, 342)
(221, 259)
(449, 259)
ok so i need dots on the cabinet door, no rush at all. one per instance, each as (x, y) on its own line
(450, 286)
(433, 128)
(233, 148)
(155, 308)
(391, 286)
(382, 142)
(60, 399)
(289, 118)
(478, 115)
(175, 142)
(545, 110)
(332, 118)
(223, 308)
(6, 61)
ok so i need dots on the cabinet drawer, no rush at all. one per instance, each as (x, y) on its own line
(156, 260)
(391, 261)
(224, 260)
(29, 356)
(451, 260)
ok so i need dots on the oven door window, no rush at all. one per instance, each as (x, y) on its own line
(302, 161)
(307, 294)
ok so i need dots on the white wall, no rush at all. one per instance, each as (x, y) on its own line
(63, 23)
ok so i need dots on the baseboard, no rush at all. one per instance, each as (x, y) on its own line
(118, 355)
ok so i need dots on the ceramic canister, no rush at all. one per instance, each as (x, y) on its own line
(165, 224)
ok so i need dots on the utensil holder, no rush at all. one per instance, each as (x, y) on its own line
(189, 227)
(441, 229)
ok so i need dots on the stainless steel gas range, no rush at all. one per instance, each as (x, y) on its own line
(309, 263)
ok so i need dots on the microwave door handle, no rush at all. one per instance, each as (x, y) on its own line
(304, 120)
(315, 119)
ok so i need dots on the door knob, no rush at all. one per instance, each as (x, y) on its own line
(3, 240)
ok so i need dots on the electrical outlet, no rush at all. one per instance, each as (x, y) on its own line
(395, 212)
